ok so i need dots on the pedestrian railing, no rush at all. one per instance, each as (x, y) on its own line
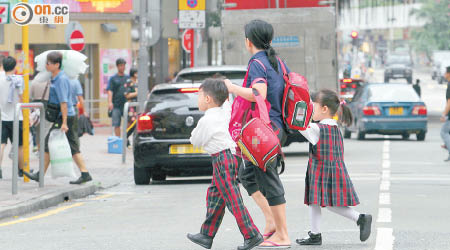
(126, 109)
(42, 121)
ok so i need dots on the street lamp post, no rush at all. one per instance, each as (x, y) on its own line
(143, 56)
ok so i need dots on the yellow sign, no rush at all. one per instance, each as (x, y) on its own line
(191, 4)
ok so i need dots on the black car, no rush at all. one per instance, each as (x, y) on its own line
(161, 143)
(398, 67)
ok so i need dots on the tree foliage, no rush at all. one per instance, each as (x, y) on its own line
(435, 34)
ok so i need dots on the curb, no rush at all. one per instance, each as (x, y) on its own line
(49, 200)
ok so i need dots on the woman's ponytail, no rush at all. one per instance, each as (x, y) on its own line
(271, 54)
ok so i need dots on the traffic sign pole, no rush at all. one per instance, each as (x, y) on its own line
(192, 32)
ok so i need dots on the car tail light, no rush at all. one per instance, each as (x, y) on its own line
(348, 80)
(343, 86)
(371, 110)
(419, 110)
(354, 86)
(144, 124)
(188, 90)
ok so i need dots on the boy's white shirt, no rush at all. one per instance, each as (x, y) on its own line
(212, 132)
(312, 133)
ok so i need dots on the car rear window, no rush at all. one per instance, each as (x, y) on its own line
(168, 98)
(392, 93)
(200, 76)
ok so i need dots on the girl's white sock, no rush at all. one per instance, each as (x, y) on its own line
(347, 212)
(315, 214)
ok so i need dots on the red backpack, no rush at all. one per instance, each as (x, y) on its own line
(297, 107)
(257, 140)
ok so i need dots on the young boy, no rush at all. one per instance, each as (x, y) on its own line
(212, 135)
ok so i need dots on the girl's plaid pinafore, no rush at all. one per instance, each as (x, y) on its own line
(327, 182)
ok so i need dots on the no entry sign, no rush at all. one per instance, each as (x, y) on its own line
(76, 41)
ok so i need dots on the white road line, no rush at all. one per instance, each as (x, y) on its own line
(386, 164)
(385, 199)
(384, 215)
(386, 156)
(386, 174)
(385, 185)
(385, 239)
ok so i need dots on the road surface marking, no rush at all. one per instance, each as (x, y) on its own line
(102, 197)
(385, 185)
(385, 239)
(385, 198)
(384, 215)
(40, 216)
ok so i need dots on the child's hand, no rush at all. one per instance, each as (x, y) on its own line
(229, 85)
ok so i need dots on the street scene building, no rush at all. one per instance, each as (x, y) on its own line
(118, 117)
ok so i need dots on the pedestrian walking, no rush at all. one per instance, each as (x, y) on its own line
(11, 94)
(445, 131)
(116, 95)
(61, 95)
(417, 88)
(212, 135)
(265, 187)
(131, 93)
(327, 182)
(39, 92)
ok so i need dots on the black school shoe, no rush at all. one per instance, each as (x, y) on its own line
(252, 242)
(365, 224)
(85, 177)
(32, 176)
(201, 239)
(311, 240)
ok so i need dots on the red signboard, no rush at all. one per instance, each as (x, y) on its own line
(77, 40)
(264, 4)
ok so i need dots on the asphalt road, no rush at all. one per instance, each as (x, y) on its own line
(405, 185)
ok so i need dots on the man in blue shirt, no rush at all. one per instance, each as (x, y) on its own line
(116, 94)
(61, 94)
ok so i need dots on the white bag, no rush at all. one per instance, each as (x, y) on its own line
(60, 155)
(72, 64)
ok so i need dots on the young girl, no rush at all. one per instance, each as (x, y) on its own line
(327, 183)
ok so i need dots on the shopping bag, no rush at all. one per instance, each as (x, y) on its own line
(60, 155)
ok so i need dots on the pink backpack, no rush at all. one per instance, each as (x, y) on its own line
(241, 110)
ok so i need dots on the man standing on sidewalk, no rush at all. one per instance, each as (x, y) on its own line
(60, 93)
(11, 94)
(445, 131)
(116, 94)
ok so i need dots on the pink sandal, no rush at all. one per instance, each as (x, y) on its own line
(273, 245)
(268, 235)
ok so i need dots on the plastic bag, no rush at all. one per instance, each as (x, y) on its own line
(72, 64)
(60, 155)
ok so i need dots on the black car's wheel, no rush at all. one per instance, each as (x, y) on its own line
(421, 136)
(386, 79)
(159, 176)
(347, 134)
(409, 80)
(142, 176)
(405, 136)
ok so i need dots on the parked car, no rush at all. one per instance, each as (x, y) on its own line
(348, 88)
(441, 60)
(161, 143)
(398, 67)
(387, 109)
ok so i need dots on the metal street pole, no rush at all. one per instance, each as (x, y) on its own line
(143, 59)
(26, 99)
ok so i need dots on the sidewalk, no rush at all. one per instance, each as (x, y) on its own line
(106, 170)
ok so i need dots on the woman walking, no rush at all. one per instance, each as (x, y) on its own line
(265, 187)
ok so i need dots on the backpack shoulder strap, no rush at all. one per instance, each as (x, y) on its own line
(283, 67)
(263, 112)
